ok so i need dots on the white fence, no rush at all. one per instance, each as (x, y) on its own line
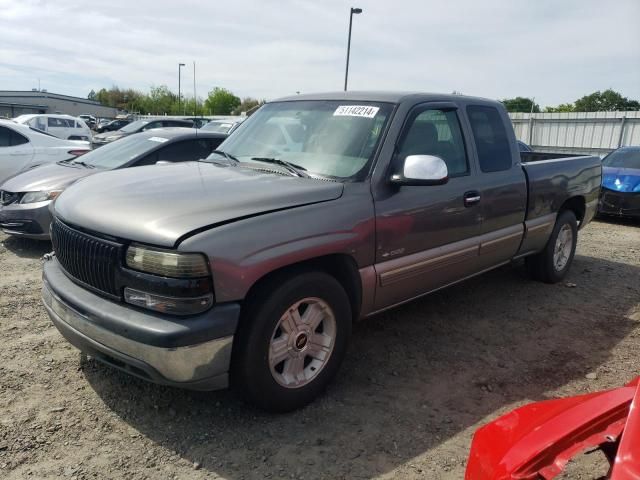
(595, 133)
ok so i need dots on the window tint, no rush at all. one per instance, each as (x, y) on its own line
(56, 122)
(492, 144)
(5, 137)
(436, 132)
(150, 159)
(9, 138)
(185, 151)
(18, 139)
(214, 143)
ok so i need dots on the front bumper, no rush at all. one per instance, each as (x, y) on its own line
(193, 353)
(29, 220)
(623, 204)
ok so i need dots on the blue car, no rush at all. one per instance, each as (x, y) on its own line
(620, 193)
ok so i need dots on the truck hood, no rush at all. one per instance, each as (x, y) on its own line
(47, 177)
(621, 179)
(159, 204)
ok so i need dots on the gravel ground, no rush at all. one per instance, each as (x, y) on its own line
(416, 383)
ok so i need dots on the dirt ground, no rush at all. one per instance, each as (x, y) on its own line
(416, 383)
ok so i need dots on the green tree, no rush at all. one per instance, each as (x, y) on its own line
(246, 105)
(606, 101)
(221, 102)
(563, 107)
(521, 104)
(92, 95)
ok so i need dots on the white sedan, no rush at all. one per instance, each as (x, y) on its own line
(22, 148)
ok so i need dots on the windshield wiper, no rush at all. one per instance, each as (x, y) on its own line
(226, 155)
(83, 164)
(291, 167)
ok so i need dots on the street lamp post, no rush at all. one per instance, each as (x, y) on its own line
(180, 65)
(355, 11)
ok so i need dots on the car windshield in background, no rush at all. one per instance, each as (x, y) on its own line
(134, 126)
(117, 154)
(217, 127)
(328, 138)
(624, 158)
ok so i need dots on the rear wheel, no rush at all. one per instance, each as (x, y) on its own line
(291, 341)
(552, 264)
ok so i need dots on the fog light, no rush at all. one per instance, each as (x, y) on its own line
(170, 305)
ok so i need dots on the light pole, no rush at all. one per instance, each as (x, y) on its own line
(356, 11)
(180, 65)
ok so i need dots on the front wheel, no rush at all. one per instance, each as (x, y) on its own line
(552, 264)
(292, 339)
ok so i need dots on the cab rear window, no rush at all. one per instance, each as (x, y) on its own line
(490, 137)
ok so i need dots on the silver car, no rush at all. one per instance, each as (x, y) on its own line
(25, 198)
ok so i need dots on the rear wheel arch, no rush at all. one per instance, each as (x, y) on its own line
(577, 205)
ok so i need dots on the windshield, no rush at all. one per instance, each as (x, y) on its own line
(134, 126)
(117, 154)
(328, 138)
(625, 158)
(217, 127)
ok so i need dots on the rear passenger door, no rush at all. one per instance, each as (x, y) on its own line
(426, 236)
(503, 188)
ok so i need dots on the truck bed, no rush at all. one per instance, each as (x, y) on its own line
(528, 157)
(553, 178)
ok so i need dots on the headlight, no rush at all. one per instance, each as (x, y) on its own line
(33, 197)
(167, 263)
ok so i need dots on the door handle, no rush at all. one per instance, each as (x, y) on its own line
(471, 198)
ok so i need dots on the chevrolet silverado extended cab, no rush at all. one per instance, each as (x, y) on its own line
(249, 267)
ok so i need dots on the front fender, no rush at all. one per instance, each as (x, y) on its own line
(242, 252)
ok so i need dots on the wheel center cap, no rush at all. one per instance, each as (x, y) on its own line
(301, 341)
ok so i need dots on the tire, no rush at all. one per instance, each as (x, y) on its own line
(266, 336)
(550, 266)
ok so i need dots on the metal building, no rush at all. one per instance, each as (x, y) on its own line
(591, 133)
(14, 103)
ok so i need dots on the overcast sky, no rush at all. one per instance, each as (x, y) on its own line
(553, 50)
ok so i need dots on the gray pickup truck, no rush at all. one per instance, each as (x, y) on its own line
(249, 267)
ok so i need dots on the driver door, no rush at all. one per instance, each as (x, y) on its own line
(427, 236)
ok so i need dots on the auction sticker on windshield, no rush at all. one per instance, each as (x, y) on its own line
(158, 139)
(356, 111)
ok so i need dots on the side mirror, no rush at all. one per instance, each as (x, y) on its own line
(422, 170)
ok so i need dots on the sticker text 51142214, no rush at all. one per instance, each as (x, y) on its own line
(356, 111)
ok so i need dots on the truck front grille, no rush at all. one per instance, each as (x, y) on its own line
(90, 260)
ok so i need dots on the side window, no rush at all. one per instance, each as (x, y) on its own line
(214, 143)
(56, 122)
(150, 159)
(37, 123)
(436, 132)
(185, 151)
(490, 136)
(18, 139)
(9, 138)
(5, 137)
